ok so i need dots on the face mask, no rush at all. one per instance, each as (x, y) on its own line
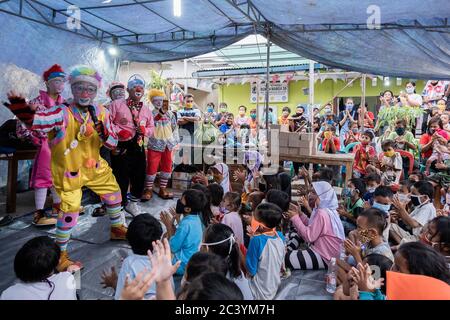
(327, 110)
(223, 210)
(248, 207)
(371, 189)
(210, 110)
(410, 90)
(231, 239)
(355, 130)
(403, 197)
(330, 121)
(400, 131)
(348, 192)
(365, 236)
(430, 131)
(180, 207)
(253, 116)
(189, 105)
(349, 106)
(389, 154)
(416, 200)
(383, 207)
(299, 113)
(327, 134)
(223, 110)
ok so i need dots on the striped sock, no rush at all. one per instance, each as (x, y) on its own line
(149, 180)
(40, 195)
(64, 227)
(114, 211)
(163, 179)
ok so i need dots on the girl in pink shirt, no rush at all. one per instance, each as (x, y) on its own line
(323, 231)
(230, 205)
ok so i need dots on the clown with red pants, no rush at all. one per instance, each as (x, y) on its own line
(160, 147)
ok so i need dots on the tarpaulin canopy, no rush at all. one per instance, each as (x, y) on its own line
(411, 37)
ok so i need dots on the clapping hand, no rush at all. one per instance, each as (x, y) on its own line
(363, 278)
(161, 260)
(136, 289)
(239, 175)
(353, 249)
(109, 280)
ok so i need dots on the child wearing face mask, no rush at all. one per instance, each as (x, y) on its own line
(346, 117)
(391, 164)
(284, 118)
(410, 225)
(265, 255)
(242, 118)
(440, 150)
(330, 143)
(364, 153)
(354, 204)
(352, 135)
(373, 180)
(371, 223)
(217, 193)
(230, 206)
(437, 235)
(185, 239)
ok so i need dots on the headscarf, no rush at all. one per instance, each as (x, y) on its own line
(329, 203)
(256, 158)
(225, 172)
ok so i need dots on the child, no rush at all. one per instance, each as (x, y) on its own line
(206, 214)
(330, 143)
(186, 238)
(371, 224)
(354, 204)
(142, 232)
(391, 164)
(412, 223)
(216, 192)
(283, 120)
(352, 135)
(35, 266)
(222, 115)
(437, 235)
(242, 118)
(253, 120)
(265, 254)
(231, 204)
(373, 180)
(364, 153)
(440, 149)
(228, 129)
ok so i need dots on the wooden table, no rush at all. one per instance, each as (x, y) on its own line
(11, 185)
(336, 159)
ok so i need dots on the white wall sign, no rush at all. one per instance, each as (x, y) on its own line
(278, 92)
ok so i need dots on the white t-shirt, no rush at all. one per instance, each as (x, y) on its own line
(423, 214)
(244, 284)
(62, 284)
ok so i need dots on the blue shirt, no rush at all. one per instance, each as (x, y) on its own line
(186, 240)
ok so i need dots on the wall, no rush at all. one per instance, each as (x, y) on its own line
(236, 94)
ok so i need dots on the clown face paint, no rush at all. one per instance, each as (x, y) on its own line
(157, 102)
(55, 85)
(136, 93)
(84, 93)
(117, 93)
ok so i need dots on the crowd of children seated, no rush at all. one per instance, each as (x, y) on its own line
(218, 243)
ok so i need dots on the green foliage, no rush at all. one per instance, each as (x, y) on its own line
(388, 116)
(157, 81)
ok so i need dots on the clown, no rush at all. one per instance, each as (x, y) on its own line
(116, 91)
(76, 131)
(41, 176)
(133, 121)
(160, 146)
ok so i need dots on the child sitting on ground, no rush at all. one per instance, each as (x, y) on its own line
(354, 204)
(185, 239)
(364, 154)
(330, 143)
(142, 232)
(265, 254)
(372, 180)
(391, 164)
(216, 191)
(35, 266)
(352, 135)
(232, 203)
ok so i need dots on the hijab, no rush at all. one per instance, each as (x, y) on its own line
(225, 172)
(329, 203)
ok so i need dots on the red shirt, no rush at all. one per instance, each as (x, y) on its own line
(362, 156)
(337, 144)
(366, 122)
(426, 138)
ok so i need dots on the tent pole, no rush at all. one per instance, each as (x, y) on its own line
(185, 77)
(311, 93)
(363, 100)
(267, 82)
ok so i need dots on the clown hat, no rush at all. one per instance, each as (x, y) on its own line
(114, 85)
(135, 80)
(55, 71)
(156, 93)
(86, 74)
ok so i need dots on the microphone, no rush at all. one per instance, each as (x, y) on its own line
(98, 125)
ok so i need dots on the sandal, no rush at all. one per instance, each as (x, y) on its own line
(99, 211)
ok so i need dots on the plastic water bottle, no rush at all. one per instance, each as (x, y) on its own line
(331, 276)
